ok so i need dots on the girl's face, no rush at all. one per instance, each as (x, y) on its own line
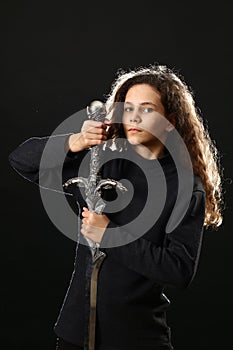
(143, 117)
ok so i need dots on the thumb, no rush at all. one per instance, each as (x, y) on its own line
(107, 122)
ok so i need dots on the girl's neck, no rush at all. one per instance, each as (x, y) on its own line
(150, 152)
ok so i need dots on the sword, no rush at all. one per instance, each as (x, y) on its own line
(94, 185)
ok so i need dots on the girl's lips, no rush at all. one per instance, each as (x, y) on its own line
(134, 130)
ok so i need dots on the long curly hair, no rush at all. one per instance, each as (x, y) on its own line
(180, 109)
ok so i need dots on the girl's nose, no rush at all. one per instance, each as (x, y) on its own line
(135, 117)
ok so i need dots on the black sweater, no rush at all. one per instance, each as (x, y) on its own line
(142, 258)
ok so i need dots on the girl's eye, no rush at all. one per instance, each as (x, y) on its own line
(147, 110)
(128, 109)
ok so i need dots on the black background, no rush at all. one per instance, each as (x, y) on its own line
(55, 58)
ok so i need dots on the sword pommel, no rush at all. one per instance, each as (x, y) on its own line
(96, 111)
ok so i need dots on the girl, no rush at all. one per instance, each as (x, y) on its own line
(154, 126)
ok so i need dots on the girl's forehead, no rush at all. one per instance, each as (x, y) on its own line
(142, 93)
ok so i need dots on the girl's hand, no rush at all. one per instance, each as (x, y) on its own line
(92, 133)
(93, 225)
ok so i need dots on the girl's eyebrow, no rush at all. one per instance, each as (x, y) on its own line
(129, 103)
(143, 103)
(148, 103)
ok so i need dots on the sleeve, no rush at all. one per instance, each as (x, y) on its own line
(173, 263)
(45, 161)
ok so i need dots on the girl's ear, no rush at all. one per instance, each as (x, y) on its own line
(171, 122)
(169, 127)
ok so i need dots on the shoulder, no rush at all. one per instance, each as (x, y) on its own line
(109, 153)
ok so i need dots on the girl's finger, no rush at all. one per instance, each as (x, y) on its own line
(85, 212)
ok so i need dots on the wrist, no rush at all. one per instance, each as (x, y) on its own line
(74, 143)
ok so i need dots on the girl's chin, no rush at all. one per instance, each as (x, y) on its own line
(133, 141)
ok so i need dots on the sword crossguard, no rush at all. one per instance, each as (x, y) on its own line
(95, 195)
(108, 184)
(79, 181)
